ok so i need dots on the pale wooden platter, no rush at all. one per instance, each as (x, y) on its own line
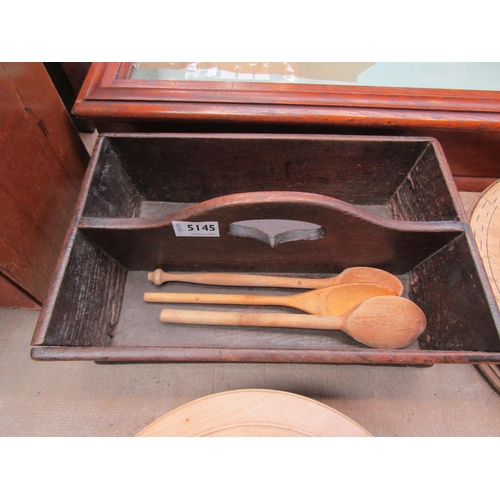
(254, 413)
(484, 218)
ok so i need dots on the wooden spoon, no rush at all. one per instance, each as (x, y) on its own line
(334, 300)
(349, 275)
(384, 322)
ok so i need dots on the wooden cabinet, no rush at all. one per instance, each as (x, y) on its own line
(466, 122)
(42, 164)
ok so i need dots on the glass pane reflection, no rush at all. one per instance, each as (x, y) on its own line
(445, 75)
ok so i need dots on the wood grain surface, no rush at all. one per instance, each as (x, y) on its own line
(254, 413)
(484, 215)
(465, 122)
(381, 322)
(334, 301)
(13, 296)
(335, 183)
(42, 164)
(353, 237)
(349, 275)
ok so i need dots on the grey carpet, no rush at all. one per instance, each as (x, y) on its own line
(62, 398)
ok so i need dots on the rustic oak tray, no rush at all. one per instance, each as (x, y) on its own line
(386, 202)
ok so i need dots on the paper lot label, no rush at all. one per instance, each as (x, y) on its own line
(199, 229)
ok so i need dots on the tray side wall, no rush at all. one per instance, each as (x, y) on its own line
(88, 302)
(459, 310)
(424, 194)
(193, 168)
(111, 193)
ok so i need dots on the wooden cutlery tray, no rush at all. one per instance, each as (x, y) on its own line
(322, 204)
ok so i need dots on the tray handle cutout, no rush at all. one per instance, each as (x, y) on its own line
(276, 231)
(348, 236)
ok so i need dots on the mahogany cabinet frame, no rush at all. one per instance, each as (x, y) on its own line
(466, 122)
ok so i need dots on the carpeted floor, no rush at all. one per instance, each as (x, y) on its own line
(62, 398)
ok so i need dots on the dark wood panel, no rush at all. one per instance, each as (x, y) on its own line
(111, 193)
(413, 199)
(353, 237)
(472, 156)
(193, 168)
(109, 81)
(89, 272)
(42, 165)
(68, 79)
(108, 255)
(474, 184)
(466, 123)
(449, 287)
(13, 296)
(139, 354)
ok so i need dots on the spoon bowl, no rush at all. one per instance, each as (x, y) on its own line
(383, 322)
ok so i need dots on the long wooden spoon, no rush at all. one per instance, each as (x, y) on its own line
(382, 322)
(349, 275)
(334, 300)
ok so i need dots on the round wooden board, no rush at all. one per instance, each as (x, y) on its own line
(254, 413)
(484, 219)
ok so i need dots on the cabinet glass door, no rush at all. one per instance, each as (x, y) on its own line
(430, 75)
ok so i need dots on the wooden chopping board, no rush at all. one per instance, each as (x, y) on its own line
(254, 413)
(484, 219)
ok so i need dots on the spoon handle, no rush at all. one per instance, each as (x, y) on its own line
(159, 277)
(218, 298)
(251, 319)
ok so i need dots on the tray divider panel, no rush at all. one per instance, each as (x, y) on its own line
(350, 236)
